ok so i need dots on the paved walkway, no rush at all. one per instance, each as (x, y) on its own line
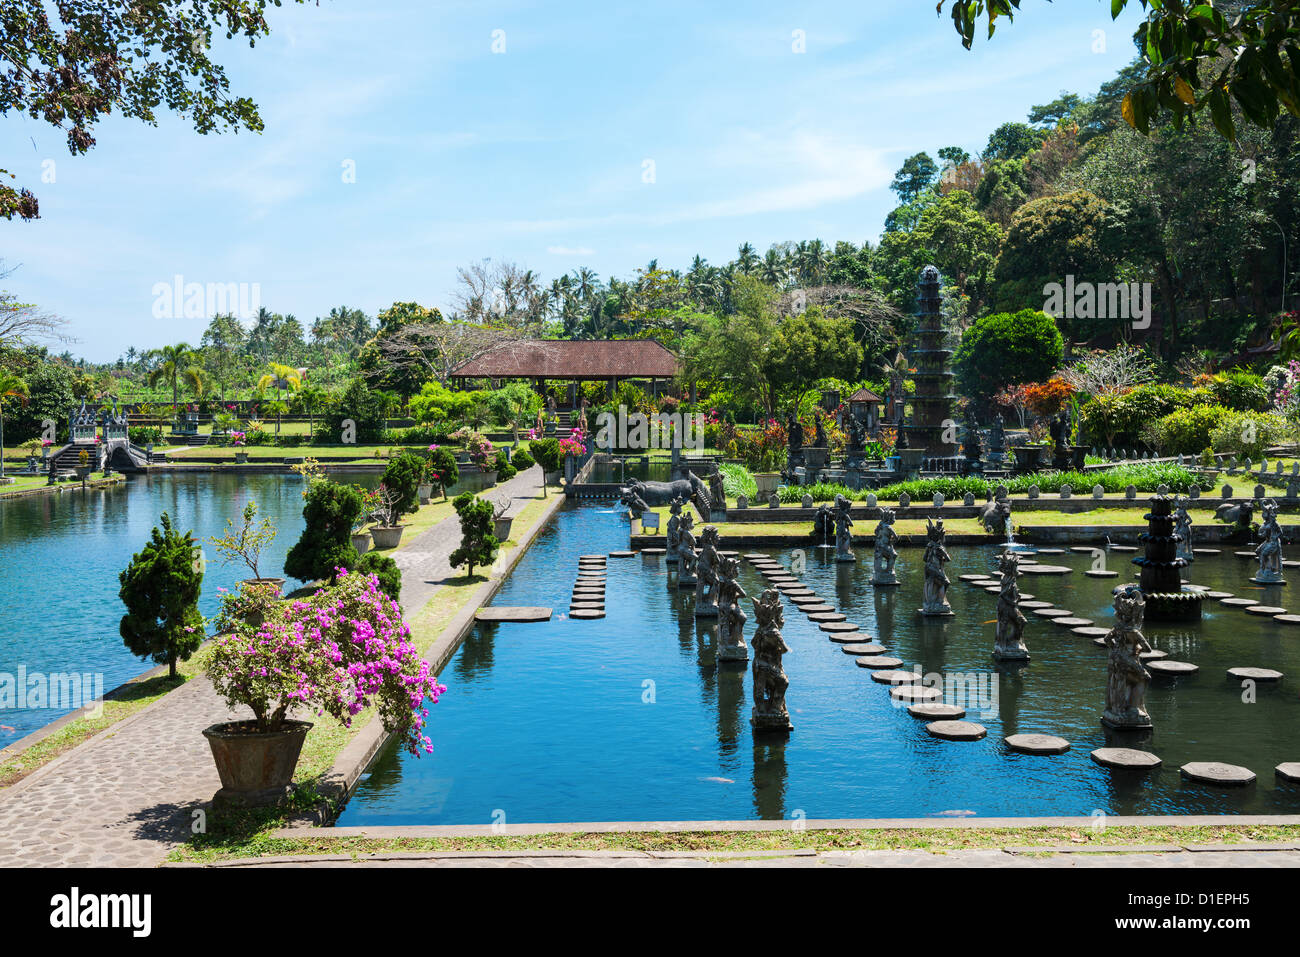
(129, 795)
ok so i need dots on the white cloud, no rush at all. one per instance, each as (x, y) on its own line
(570, 251)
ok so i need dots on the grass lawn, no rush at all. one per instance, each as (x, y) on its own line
(22, 483)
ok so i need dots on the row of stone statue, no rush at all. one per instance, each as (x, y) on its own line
(1268, 552)
(718, 595)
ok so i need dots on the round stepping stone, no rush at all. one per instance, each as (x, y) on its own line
(1086, 549)
(1211, 772)
(628, 554)
(814, 609)
(1289, 771)
(1052, 612)
(994, 589)
(1206, 551)
(1126, 759)
(863, 648)
(1245, 554)
(725, 554)
(758, 557)
(1238, 602)
(586, 614)
(915, 693)
(1265, 610)
(1287, 619)
(1099, 642)
(972, 578)
(1051, 551)
(597, 605)
(1090, 632)
(1037, 743)
(1035, 604)
(653, 551)
(1172, 669)
(589, 590)
(591, 576)
(1155, 654)
(1218, 595)
(1100, 573)
(1123, 548)
(955, 730)
(1072, 622)
(874, 662)
(797, 591)
(1025, 596)
(827, 616)
(591, 558)
(1044, 569)
(936, 711)
(1254, 674)
(838, 627)
(895, 677)
(847, 637)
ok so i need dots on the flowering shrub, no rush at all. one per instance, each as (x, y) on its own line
(339, 652)
(573, 445)
(238, 439)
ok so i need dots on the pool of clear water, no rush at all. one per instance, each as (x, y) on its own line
(631, 718)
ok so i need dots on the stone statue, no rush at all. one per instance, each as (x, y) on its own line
(998, 440)
(731, 617)
(706, 571)
(794, 438)
(770, 682)
(1183, 529)
(1269, 550)
(582, 415)
(717, 494)
(640, 496)
(996, 517)
(1126, 677)
(971, 449)
(885, 552)
(843, 539)
(857, 442)
(1009, 645)
(936, 581)
(819, 434)
(686, 560)
(823, 524)
(1061, 439)
(673, 529)
(539, 426)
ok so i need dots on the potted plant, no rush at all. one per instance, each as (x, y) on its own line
(83, 465)
(307, 656)
(571, 448)
(369, 508)
(546, 453)
(441, 469)
(160, 589)
(239, 440)
(245, 544)
(500, 522)
(387, 533)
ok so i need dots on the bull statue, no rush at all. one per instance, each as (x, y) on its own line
(994, 517)
(641, 496)
(1240, 515)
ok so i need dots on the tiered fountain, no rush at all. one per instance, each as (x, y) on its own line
(933, 399)
(1166, 597)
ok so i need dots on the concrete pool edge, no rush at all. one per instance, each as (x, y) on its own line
(337, 784)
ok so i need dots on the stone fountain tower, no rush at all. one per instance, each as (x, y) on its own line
(932, 400)
(1166, 597)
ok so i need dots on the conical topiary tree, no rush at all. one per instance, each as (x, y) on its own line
(326, 542)
(160, 589)
(478, 545)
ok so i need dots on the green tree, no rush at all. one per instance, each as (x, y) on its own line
(1006, 349)
(326, 542)
(917, 174)
(222, 343)
(160, 589)
(12, 389)
(478, 546)
(402, 477)
(809, 347)
(177, 364)
(365, 409)
(1012, 141)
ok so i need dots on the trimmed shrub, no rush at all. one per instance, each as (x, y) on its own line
(1185, 431)
(160, 589)
(1250, 433)
(402, 477)
(522, 461)
(326, 542)
(385, 569)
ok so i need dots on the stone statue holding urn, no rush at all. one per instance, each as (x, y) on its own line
(686, 552)
(1126, 677)
(885, 552)
(673, 529)
(1009, 645)
(731, 617)
(843, 539)
(770, 681)
(706, 571)
(936, 580)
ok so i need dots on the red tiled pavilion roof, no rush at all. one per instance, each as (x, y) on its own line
(573, 359)
(865, 395)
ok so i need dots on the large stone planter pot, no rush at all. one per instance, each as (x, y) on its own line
(361, 543)
(767, 483)
(241, 458)
(501, 528)
(551, 478)
(83, 472)
(1029, 458)
(256, 768)
(425, 492)
(389, 537)
(256, 619)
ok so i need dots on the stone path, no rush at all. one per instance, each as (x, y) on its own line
(128, 796)
(1027, 857)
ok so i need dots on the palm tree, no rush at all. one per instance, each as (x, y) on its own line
(774, 270)
(11, 387)
(281, 377)
(746, 259)
(176, 363)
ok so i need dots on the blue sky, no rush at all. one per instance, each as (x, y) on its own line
(536, 154)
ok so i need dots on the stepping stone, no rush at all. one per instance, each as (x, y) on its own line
(993, 589)
(1037, 743)
(1127, 759)
(589, 590)
(1036, 604)
(1155, 654)
(935, 711)
(1025, 596)
(1238, 602)
(1090, 632)
(956, 730)
(1051, 551)
(1245, 554)
(915, 693)
(627, 554)
(797, 591)
(1206, 551)
(1289, 771)
(1072, 622)
(1044, 569)
(973, 578)
(1224, 775)
(814, 609)
(1267, 610)
(1100, 573)
(838, 627)
(1172, 668)
(1287, 619)
(1087, 549)
(863, 648)
(873, 662)
(1254, 674)
(895, 677)
(592, 558)
(586, 614)
(1123, 548)
(1218, 595)
(758, 557)
(827, 616)
(1100, 642)
(512, 613)
(653, 551)
(849, 637)
(1052, 612)
(723, 553)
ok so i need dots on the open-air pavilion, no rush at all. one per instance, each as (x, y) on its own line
(574, 361)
